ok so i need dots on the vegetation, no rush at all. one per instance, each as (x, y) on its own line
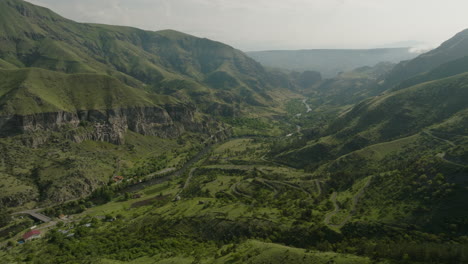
(245, 170)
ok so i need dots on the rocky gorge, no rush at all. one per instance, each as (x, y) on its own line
(110, 125)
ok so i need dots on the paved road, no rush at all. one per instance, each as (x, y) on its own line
(189, 178)
(442, 155)
(427, 132)
(336, 209)
(161, 172)
(268, 185)
(291, 186)
(319, 187)
(444, 158)
(236, 192)
(176, 173)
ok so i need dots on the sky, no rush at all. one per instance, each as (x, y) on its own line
(283, 24)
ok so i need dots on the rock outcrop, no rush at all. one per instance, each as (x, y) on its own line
(110, 125)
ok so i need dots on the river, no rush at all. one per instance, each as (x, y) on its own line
(307, 106)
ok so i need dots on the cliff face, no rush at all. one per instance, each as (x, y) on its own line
(56, 171)
(109, 125)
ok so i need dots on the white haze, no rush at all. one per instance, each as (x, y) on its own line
(282, 24)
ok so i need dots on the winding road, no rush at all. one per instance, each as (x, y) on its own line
(236, 191)
(187, 182)
(268, 185)
(442, 155)
(319, 187)
(337, 209)
(291, 186)
(427, 132)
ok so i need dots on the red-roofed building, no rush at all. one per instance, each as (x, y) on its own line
(33, 234)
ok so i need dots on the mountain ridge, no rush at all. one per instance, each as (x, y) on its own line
(452, 49)
(138, 58)
(329, 62)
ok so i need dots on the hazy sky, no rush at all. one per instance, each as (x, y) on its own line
(282, 24)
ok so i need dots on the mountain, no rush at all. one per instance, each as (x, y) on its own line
(33, 99)
(353, 86)
(451, 50)
(215, 76)
(329, 62)
(65, 84)
(405, 149)
(448, 69)
(406, 111)
(390, 116)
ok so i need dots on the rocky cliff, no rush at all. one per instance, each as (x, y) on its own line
(110, 125)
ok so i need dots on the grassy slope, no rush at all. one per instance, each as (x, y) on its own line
(388, 117)
(168, 62)
(453, 49)
(443, 71)
(29, 91)
(407, 111)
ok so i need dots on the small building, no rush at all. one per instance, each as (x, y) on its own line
(33, 234)
(118, 178)
(63, 231)
(62, 217)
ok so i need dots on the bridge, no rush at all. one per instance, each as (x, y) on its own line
(34, 214)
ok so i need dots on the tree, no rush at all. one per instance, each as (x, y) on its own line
(5, 217)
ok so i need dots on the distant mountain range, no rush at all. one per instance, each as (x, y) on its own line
(330, 62)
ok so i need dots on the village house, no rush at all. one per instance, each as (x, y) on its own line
(118, 179)
(33, 234)
(62, 217)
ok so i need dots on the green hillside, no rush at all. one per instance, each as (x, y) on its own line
(33, 36)
(443, 71)
(389, 116)
(407, 111)
(453, 49)
(353, 86)
(33, 90)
